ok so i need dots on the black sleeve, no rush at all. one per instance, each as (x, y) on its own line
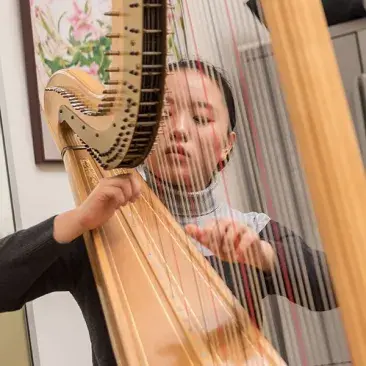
(33, 264)
(301, 273)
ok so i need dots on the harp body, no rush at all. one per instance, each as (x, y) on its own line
(141, 255)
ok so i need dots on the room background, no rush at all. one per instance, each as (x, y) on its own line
(57, 331)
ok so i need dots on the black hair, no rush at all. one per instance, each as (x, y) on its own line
(213, 73)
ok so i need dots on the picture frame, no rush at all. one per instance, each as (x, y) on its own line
(41, 155)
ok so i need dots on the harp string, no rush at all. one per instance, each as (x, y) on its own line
(302, 291)
(181, 187)
(172, 204)
(251, 300)
(205, 146)
(268, 176)
(297, 270)
(251, 110)
(189, 200)
(147, 230)
(217, 266)
(249, 113)
(212, 154)
(244, 23)
(271, 179)
(178, 162)
(136, 215)
(209, 153)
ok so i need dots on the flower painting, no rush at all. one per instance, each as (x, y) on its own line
(70, 34)
(59, 34)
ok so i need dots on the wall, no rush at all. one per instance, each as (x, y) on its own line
(14, 346)
(39, 193)
(6, 217)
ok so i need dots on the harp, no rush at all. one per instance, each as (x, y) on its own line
(103, 130)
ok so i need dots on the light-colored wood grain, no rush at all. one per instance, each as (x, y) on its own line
(329, 152)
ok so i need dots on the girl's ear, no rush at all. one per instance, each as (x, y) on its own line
(228, 146)
(226, 151)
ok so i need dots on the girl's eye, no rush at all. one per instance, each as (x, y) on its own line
(202, 120)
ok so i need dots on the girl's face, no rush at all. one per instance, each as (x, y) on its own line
(195, 136)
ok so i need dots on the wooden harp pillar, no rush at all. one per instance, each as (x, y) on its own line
(328, 149)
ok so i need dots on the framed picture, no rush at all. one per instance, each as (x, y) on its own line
(59, 35)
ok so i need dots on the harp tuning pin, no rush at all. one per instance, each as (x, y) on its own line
(110, 91)
(112, 82)
(113, 35)
(79, 108)
(112, 14)
(77, 104)
(105, 105)
(108, 99)
(112, 53)
(113, 69)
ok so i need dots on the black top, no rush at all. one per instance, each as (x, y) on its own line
(33, 264)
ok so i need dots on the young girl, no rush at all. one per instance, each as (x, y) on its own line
(196, 142)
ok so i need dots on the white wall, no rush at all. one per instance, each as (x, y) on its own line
(6, 216)
(40, 192)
